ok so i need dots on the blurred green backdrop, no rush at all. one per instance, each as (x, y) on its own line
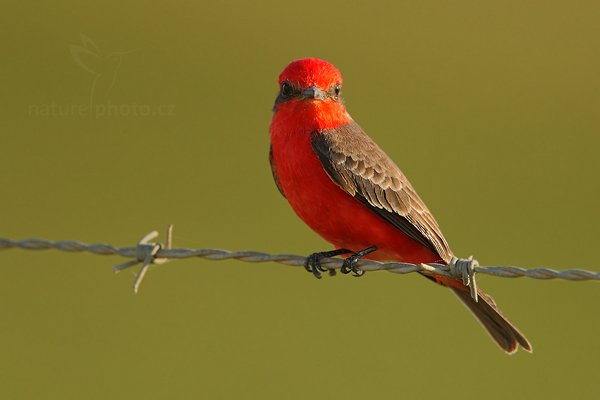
(492, 110)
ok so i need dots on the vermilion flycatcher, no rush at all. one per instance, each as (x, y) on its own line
(342, 185)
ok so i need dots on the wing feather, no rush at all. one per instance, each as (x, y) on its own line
(356, 164)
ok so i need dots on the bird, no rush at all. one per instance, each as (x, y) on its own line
(351, 193)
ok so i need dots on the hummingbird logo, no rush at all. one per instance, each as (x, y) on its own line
(102, 66)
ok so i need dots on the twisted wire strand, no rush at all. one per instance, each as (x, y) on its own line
(153, 253)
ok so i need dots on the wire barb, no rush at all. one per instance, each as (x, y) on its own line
(466, 269)
(147, 253)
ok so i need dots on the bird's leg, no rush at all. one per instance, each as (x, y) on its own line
(313, 262)
(350, 262)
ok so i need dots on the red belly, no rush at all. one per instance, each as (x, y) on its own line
(331, 212)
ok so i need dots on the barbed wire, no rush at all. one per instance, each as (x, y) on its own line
(147, 253)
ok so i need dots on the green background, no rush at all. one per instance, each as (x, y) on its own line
(491, 109)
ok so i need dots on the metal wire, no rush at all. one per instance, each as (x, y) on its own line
(148, 253)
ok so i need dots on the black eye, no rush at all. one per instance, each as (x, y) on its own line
(286, 89)
(337, 89)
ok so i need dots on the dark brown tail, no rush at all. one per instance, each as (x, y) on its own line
(504, 333)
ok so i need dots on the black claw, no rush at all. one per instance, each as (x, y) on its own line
(350, 262)
(346, 266)
(313, 262)
(350, 266)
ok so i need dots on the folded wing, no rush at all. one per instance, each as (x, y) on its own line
(357, 165)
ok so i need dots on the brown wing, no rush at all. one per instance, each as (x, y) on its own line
(354, 162)
(274, 171)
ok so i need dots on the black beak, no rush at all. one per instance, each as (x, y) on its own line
(313, 93)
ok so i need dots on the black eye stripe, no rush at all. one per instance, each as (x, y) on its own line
(287, 89)
(334, 91)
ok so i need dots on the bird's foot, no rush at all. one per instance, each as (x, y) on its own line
(350, 262)
(313, 262)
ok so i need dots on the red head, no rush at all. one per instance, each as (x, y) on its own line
(310, 91)
(311, 72)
